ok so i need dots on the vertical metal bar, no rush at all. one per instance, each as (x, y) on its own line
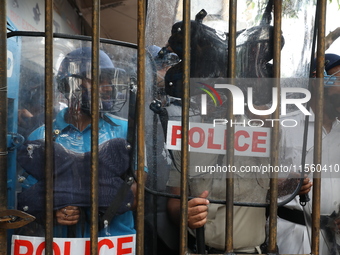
(3, 121)
(232, 39)
(185, 129)
(274, 155)
(49, 164)
(140, 126)
(321, 8)
(231, 128)
(94, 126)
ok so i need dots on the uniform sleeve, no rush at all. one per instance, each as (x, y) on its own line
(174, 175)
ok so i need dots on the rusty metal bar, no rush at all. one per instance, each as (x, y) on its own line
(94, 126)
(232, 39)
(3, 122)
(231, 129)
(321, 8)
(49, 165)
(140, 127)
(274, 155)
(185, 129)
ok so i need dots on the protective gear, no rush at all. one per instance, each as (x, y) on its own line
(162, 56)
(208, 54)
(331, 60)
(72, 173)
(74, 82)
(254, 51)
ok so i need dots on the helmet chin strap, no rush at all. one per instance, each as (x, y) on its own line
(78, 118)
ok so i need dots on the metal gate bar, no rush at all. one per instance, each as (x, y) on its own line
(94, 126)
(140, 126)
(185, 129)
(231, 129)
(321, 8)
(49, 164)
(274, 154)
(3, 122)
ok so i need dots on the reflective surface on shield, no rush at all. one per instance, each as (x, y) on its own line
(254, 60)
(72, 133)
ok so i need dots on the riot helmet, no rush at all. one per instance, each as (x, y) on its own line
(163, 57)
(74, 82)
(331, 61)
(255, 50)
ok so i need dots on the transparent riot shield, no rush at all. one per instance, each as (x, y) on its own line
(254, 61)
(330, 173)
(208, 102)
(72, 85)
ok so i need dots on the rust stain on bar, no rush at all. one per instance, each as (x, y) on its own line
(49, 164)
(321, 9)
(231, 129)
(140, 127)
(185, 129)
(94, 126)
(274, 155)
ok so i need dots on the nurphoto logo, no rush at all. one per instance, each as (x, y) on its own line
(245, 94)
(239, 101)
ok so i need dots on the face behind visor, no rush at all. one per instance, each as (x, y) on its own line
(74, 82)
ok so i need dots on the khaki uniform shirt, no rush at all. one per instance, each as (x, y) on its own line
(249, 222)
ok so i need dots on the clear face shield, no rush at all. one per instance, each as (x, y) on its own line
(76, 87)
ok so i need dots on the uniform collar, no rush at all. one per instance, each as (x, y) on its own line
(335, 123)
(61, 124)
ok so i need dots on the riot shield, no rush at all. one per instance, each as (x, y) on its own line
(208, 102)
(117, 90)
(209, 49)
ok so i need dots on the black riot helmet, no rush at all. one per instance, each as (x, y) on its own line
(254, 53)
(74, 82)
(255, 50)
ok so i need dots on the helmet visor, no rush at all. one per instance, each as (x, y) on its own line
(76, 87)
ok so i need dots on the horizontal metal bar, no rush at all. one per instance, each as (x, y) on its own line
(68, 36)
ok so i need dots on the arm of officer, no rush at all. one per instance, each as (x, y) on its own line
(197, 209)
